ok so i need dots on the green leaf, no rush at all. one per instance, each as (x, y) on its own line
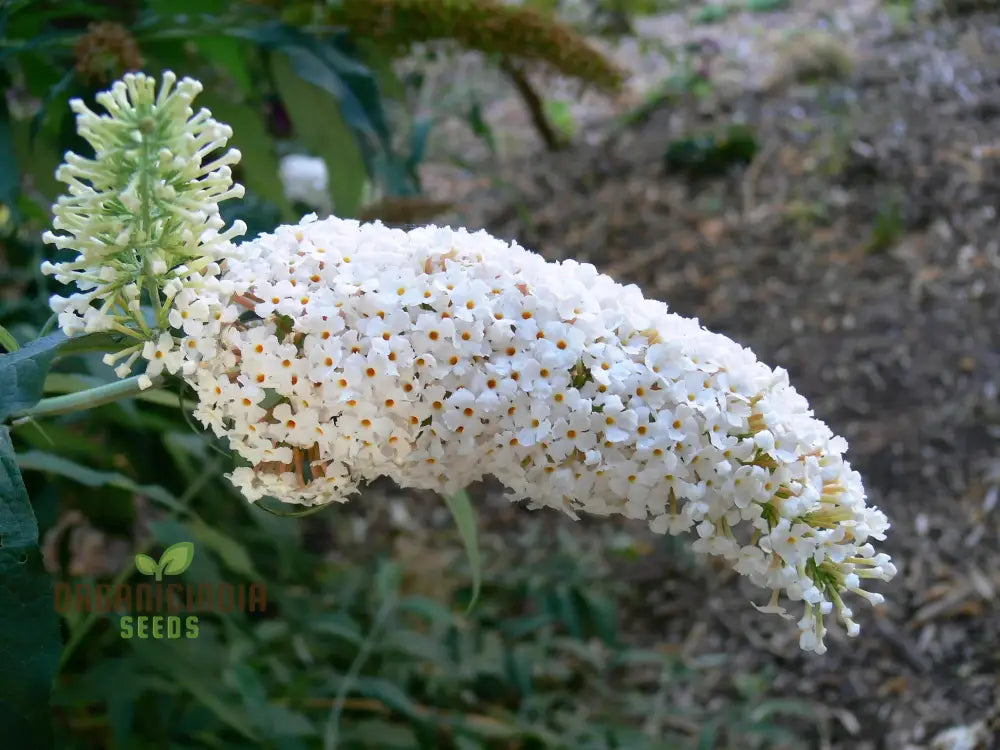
(187, 673)
(229, 54)
(321, 127)
(388, 578)
(177, 558)
(259, 162)
(386, 692)
(602, 614)
(429, 609)
(337, 624)
(229, 551)
(40, 461)
(145, 564)
(22, 373)
(712, 13)
(93, 342)
(7, 340)
(54, 92)
(465, 519)
(326, 64)
(561, 116)
(379, 733)
(418, 144)
(10, 175)
(29, 628)
(278, 721)
(39, 156)
(480, 127)
(416, 645)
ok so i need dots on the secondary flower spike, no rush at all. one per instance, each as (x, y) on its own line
(143, 213)
(347, 351)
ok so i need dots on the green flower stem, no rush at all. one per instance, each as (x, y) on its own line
(146, 126)
(86, 399)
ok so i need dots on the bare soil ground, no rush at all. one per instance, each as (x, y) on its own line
(860, 250)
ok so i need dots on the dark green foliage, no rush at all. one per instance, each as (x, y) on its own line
(29, 628)
(22, 373)
(763, 6)
(712, 13)
(888, 225)
(711, 154)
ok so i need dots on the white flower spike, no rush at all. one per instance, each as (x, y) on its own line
(143, 213)
(332, 352)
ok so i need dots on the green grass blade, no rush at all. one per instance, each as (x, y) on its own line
(465, 519)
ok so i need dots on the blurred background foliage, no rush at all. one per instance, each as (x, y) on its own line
(355, 650)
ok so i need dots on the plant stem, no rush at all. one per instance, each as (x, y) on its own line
(145, 216)
(536, 110)
(86, 399)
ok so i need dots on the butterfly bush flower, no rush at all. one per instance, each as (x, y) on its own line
(142, 214)
(332, 352)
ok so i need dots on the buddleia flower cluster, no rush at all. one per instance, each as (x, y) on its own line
(142, 215)
(332, 352)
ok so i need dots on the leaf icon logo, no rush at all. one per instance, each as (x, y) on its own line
(175, 560)
(145, 564)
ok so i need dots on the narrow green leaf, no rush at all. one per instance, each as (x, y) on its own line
(429, 609)
(22, 373)
(277, 722)
(94, 342)
(232, 554)
(418, 148)
(465, 519)
(7, 340)
(320, 126)
(10, 175)
(187, 675)
(54, 92)
(39, 157)
(416, 645)
(229, 54)
(763, 6)
(379, 733)
(339, 625)
(41, 461)
(386, 692)
(327, 63)
(480, 127)
(177, 558)
(29, 627)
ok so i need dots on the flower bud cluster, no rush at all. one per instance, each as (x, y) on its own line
(143, 213)
(332, 352)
